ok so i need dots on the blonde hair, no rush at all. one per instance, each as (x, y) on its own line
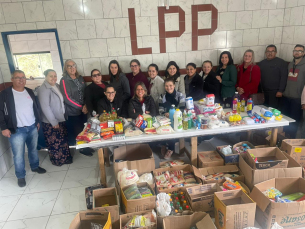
(139, 83)
(65, 73)
(253, 57)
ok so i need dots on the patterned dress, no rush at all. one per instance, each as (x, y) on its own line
(57, 143)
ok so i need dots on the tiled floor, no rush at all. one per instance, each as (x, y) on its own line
(50, 200)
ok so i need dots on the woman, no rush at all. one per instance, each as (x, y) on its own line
(53, 120)
(135, 76)
(119, 80)
(171, 97)
(172, 70)
(141, 102)
(72, 87)
(227, 76)
(193, 83)
(156, 86)
(95, 91)
(248, 76)
(211, 85)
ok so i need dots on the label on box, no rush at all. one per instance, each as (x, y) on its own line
(298, 150)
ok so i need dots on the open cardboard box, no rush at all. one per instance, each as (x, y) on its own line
(107, 196)
(186, 167)
(201, 197)
(240, 144)
(287, 215)
(228, 159)
(271, 157)
(255, 176)
(126, 217)
(296, 149)
(231, 169)
(201, 220)
(83, 219)
(138, 205)
(209, 159)
(234, 210)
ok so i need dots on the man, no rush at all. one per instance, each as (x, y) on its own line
(109, 102)
(19, 122)
(292, 94)
(273, 77)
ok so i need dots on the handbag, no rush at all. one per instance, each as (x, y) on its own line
(257, 98)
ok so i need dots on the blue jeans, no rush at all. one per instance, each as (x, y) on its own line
(29, 136)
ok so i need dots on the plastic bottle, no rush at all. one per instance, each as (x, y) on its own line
(236, 96)
(249, 106)
(243, 104)
(234, 107)
(103, 117)
(185, 120)
(172, 209)
(178, 120)
(114, 114)
(180, 210)
(189, 116)
(238, 107)
(184, 205)
(182, 199)
(171, 115)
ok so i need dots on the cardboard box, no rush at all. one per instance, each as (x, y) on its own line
(201, 197)
(108, 196)
(231, 169)
(126, 217)
(234, 210)
(138, 205)
(200, 219)
(296, 149)
(228, 159)
(271, 157)
(209, 159)
(83, 219)
(255, 176)
(287, 215)
(240, 144)
(190, 168)
(280, 137)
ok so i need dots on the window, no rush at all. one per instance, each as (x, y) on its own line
(33, 64)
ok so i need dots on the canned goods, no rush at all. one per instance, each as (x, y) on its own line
(189, 103)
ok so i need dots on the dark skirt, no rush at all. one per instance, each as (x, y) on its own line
(57, 143)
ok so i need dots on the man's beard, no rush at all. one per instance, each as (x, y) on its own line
(299, 57)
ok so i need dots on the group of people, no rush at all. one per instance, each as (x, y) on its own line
(64, 108)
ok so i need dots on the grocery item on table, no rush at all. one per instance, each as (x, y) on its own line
(178, 120)
(107, 133)
(85, 135)
(149, 122)
(189, 103)
(139, 121)
(94, 125)
(150, 130)
(107, 129)
(127, 177)
(117, 137)
(171, 114)
(249, 106)
(146, 177)
(185, 120)
(132, 131)
(132, 192)
(140, 221)
(118, 127)
(172, 163)
(110, 123)
(144, 124)
(165, 130)
(210, 100)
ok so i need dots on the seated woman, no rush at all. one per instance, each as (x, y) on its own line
(211, 85)
(141, 102)
(156, 86)
(248, 76)
(193, 83)
(95, 91)
(110, 102)
(173, 71)
(171, 97)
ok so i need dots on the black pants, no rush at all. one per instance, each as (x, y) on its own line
(293, 109)
(225, 101)
(75, 125)
(271, 100)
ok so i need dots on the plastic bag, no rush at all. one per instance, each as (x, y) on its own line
(172, 163)
(132, 193)
(165, 130)
(131, 131)
(146, 177)
(139, 221)
(162, 204)
(145, 192)
(127, 177)
(96, 226)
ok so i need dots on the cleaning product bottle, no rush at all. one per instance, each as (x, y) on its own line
(249, 106)
(234, 107)
(178, 120)
(190, 121)
(171, 115)
(185, 120)
(243, 104)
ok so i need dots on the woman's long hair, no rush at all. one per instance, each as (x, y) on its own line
(230, 58)
(139, 83)
(65, 73)
(177, 67)
(117, 76)
(253, 57)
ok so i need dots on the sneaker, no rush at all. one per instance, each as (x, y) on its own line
(21, 182)
(86, 152)
(39, 170)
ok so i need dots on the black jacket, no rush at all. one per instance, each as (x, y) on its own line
(195, 88)
(93, 93)
(135, 107)
(211, 85)
(8, 119)
(104, 104)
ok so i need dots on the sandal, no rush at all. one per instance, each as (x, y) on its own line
(168, 154)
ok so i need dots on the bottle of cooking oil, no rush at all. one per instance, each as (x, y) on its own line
(185, 120)
(243, 104)
(238, 106)
(103, 117)
(114, 115)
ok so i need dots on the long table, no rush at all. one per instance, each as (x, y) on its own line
(192, 133)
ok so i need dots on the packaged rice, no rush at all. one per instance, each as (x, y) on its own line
(176, 177)
(132, 131)
(165, 130)
(146, 177)
(172, 163)
(145, 192)
(163, 121)
(132, 192)
(127, 177)
(189, 177)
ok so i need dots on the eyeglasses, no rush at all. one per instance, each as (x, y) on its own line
(268, 52)
(133, 66)
(110, 93)
(20, 78)
(140, 89)
(298, 51)
(71, 66)
(96, 75)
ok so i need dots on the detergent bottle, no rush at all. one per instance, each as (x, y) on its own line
(171, 115)
(249, 106)
(178, 120)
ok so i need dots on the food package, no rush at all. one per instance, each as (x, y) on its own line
(163, 121)
(176, 177)
(85, 135)
(118, 128)
(132, 131)
(162, 205)
(150, 130)
(172, 163)
(107, 133)
(189, 177)
(117, 137)
(162, 180)
(104, 125)
(146, 177)
(127, 177)
(165, 130)
(144, 124)
(229, 185)
(107, 129)
(145, 192)
(139, 121)
(146, 116)
(141, 221)
(132, 192)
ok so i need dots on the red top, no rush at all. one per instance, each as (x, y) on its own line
(244, 81)
(142, 101)
(101, 85)
(134, 79)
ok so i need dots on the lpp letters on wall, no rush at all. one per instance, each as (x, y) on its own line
(167, 34)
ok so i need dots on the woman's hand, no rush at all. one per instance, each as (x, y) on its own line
(166, 115)
(219, 78)
(240, 90)
(147, 112)
(84, 110)
(56, 127)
